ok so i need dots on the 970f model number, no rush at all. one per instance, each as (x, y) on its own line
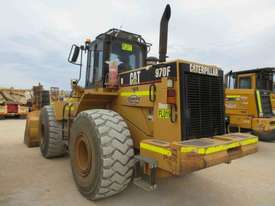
(162, 72)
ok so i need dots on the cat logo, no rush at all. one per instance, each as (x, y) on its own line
(135, 78)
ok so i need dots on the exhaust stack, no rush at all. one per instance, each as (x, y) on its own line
(164, 33)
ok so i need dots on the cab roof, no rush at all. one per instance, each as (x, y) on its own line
(257, 70)
(124, 35)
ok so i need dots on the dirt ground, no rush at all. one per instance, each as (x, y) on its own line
(26, 178)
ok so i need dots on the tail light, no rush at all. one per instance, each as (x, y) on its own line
(171, 96)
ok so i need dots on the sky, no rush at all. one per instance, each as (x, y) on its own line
(36, 36)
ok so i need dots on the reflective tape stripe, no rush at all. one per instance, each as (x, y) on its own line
(193, 149)
(259, 101)
(218, 148)
(249, 141)
(156, 149)
(233, 96)
(232, 145)
(188, 149)
(137, 93)
(201, 151)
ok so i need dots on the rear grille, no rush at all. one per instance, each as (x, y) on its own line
(202, 99)
(266, 103)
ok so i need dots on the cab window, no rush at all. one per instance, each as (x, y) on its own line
(128, 56)
(95, 64)
(98, 65)
(245, 83)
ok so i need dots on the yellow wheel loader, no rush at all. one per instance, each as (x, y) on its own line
(248, 102)
(138, 117)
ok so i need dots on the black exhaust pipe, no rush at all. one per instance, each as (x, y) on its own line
(163, 33)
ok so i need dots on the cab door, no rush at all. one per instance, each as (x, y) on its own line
(95, 66)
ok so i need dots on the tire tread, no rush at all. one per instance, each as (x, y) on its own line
(56, 146)
(116, 149)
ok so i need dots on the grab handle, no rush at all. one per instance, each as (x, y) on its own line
(173, 115)
(152, 93)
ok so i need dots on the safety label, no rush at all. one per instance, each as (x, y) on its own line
(163, 111)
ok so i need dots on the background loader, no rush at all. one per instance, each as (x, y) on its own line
(138, 113)
(249, 100)
(54, 94)
(40, 98)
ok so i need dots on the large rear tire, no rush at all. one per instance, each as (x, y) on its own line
(50, 131)
(101, 152)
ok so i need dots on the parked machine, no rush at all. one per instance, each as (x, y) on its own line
(39, 99)
(54, 93)
(13, 102)
(159, 118)
(248, 102)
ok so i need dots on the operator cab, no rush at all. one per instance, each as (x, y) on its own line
(261, 78)
(127, 50)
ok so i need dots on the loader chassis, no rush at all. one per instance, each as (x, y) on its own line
(159, 128)
(171, 116)
(170, 113)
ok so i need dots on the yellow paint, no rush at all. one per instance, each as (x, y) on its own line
(68, 107)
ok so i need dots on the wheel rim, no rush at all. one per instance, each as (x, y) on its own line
(83, 155)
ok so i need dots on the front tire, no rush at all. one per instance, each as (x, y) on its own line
(50, 131)
(101, 152)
